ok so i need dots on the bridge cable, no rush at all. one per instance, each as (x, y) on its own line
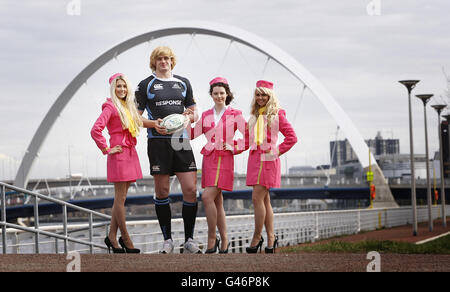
(199, 49)
(295, 117)
(224, 57)
(265, 67)
(334, 148)
(188, 48)
(246, 61)
(299, 103)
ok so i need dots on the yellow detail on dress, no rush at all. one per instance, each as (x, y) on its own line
(218, 171)
(259, 173)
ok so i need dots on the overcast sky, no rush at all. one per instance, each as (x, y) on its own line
(358, 56)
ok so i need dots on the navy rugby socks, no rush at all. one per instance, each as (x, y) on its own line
(164, 215)
(189, 213)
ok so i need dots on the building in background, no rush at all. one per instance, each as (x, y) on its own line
(395, 166)
(342, 152)
(380, 146)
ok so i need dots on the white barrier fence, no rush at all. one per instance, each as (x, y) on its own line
(291, 228)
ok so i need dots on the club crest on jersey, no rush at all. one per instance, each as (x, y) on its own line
(176, 86)
(158, 86)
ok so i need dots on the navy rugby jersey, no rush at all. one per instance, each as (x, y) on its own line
(162, 97)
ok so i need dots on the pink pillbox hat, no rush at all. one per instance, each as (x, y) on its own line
(217, 80)
(264, 83)
(114, 77)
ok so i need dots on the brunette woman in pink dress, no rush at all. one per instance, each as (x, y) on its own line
(219, 125)
(121, 118)
(263, 169)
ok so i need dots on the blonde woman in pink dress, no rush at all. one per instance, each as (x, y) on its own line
(121, 118)
(263, 169)
(219, 125)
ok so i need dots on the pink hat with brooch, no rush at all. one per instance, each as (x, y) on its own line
(218, 80)
(265, 84)
(111, 79)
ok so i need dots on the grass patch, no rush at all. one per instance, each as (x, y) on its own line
(438, 246)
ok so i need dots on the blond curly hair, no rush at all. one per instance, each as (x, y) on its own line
(130, 102)
(162, 51)
(272, 106)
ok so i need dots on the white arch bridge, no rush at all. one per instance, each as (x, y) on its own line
(384, 196)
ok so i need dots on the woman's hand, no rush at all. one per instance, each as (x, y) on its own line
(228, 147)
(116, 149)
(272, 154)
(190, 113)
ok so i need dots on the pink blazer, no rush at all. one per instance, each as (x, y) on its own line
(111, 119)
(279, 124)
(265, 168)
(231, 121)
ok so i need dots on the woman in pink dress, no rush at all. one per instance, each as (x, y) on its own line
(119, 115)
(219, 125)
(263, 169)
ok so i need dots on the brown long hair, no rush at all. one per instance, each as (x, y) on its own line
(230, 95)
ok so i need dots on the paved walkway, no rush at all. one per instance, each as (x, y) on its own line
(299, 262)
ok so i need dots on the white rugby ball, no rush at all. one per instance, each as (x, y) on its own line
(173, 123)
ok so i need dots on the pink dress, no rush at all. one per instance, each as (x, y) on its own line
(124, 166)
(218, 164)
(264, 168)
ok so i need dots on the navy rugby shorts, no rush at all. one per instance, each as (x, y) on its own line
(170, 155)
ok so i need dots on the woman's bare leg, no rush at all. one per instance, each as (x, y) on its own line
(208, 198)
(118, 212)
(258, 195)
(221, 221)
(268, 223)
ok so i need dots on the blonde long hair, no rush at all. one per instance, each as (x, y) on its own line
(272, 106)
(130, 102)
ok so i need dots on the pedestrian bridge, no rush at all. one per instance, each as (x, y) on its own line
(271, 51)
(97, 193)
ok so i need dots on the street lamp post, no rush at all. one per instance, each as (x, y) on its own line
(425, 98)
(439, 108)
(410, 84)
(447, 117)
(70, 172)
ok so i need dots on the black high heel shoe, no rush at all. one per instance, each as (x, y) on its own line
(272, 249)
(216, 246)
(110, 246)
(225, 250)
(254, 249)
(128, 250)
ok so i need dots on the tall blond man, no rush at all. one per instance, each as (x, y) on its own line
(162, 94)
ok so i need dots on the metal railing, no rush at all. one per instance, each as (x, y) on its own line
(37, 231)
(291, 228)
